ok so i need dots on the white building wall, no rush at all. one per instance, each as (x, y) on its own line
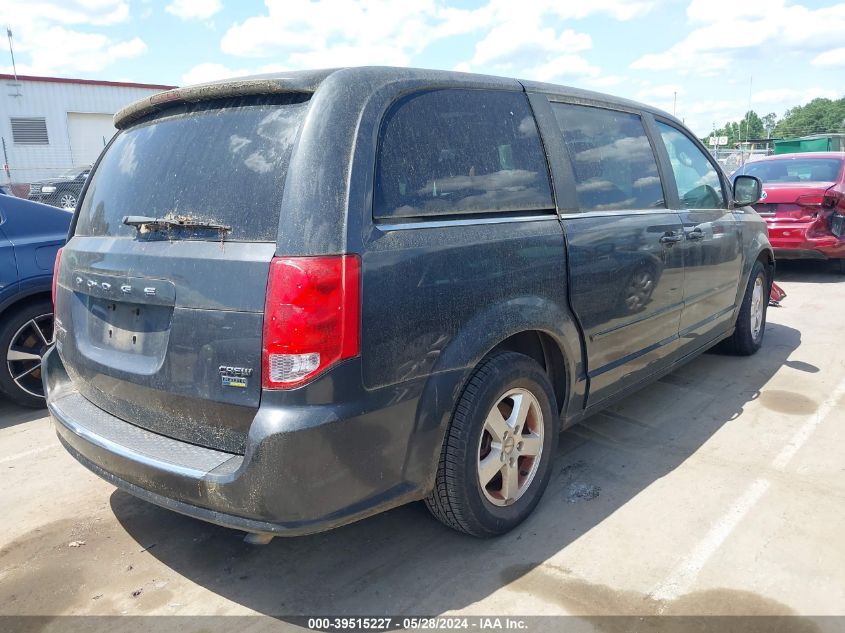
(53, 101)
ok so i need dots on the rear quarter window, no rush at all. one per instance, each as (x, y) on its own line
(612, 158)
(457, 152)
(220, 161)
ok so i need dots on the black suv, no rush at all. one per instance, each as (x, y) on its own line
(62, 191)
(290, 302)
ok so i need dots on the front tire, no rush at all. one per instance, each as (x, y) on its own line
(67, 201)
(25, 335)
(751, 321)
(497, 456)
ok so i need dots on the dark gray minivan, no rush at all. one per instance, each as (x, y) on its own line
(292, 301)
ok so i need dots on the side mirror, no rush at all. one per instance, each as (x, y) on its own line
(747, 190)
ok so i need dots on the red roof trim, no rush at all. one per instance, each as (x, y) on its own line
(95, 82)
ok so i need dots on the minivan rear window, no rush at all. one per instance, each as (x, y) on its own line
(456, 152)
(222, 161)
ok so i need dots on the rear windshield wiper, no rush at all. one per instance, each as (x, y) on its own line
(141, 221)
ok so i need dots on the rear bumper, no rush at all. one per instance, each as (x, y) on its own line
(303, 471)
(798, 253)
(791, 241)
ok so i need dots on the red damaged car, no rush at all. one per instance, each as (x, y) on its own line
(804, 204)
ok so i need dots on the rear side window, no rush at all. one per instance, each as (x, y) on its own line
(222, 161)
(613, 160)
(453, 152)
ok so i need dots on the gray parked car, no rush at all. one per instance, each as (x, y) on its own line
(62, 191)
(291, 301)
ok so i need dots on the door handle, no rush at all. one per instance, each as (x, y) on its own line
(695, 234)
(670, 238)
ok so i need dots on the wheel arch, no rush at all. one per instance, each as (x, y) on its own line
(547, 352)
(34, 295)
(537, 327)
(767, 258)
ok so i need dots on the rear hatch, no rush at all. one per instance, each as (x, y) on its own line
(794, 212)
(792, 202)
(160, 323)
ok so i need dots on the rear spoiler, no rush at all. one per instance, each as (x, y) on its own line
(219, 90)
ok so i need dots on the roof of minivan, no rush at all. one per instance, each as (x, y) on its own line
(307, 81)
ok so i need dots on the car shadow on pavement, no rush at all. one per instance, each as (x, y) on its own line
(12, 414)
(404, 562)
(808, 271)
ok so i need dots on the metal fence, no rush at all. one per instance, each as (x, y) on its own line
(733, 159)
(25, 168)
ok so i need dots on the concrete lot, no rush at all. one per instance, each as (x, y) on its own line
(719, 489)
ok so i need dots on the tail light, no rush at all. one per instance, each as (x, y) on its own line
(811, 200)
(827, 211)
(837, 224)
(311, 318)
(56, 276)
(835, 201)
(810, 205)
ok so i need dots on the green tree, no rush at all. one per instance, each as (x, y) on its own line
(751, 126)
(770, 121)
(819, 116)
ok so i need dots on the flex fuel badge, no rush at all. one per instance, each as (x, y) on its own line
(234, 376)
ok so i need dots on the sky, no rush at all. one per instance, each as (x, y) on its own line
(706, 60)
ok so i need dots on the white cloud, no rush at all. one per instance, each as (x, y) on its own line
(774, 97)
(207, 71)
(356, 32)
(561, 68)
(532, 52)
(660, 92)
(67, 12)
(56, 50)
(47, 41)
(519, 40)
(505, 43)
(728, 29)
(834, 57)
(607, 81)
(383, 30)
(194, 9)
(777, 95)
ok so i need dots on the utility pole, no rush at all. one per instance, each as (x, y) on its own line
(14, 66)
(675, 104)
(747, 120)
(12, 52)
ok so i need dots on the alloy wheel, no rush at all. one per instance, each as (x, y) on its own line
(510, 447)
(23, 358)
(68, 201)
(758, 301)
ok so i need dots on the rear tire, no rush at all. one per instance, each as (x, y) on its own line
(839, 266)
(25, 335)
(751, 321)
(487, 441)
